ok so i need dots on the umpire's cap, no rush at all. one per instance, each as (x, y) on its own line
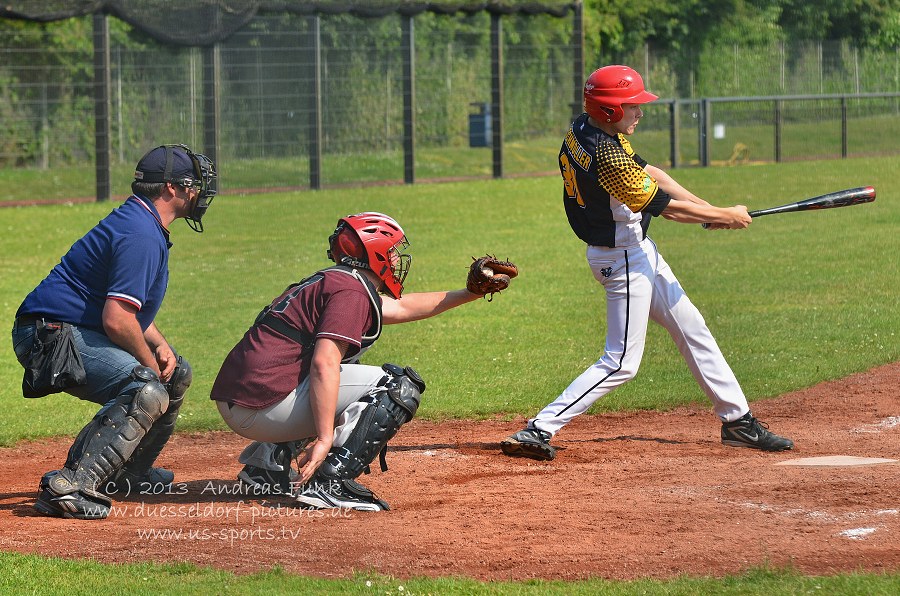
(167, 163)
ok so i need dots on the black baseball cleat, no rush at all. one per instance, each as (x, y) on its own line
(747, 431)
(263, 482)
(320, 493)
(124, 483)
(530, 442)
(72, 505)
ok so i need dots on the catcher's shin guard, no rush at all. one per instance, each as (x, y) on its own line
(156, 438)
(393, 405)
(107, 442)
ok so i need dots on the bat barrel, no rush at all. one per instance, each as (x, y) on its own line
(841, 198)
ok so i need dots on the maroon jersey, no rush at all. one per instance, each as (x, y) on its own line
(266, 365)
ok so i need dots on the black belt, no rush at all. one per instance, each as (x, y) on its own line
(25, 320)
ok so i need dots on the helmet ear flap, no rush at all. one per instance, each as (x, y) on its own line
(613, 114)
(345, 242)
(603, 113)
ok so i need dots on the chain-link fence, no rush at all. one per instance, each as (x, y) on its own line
(267, 88)
(741, 130)
(46, 95)
(778, 68)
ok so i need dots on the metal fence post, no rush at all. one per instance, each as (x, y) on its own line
(844, 139)
(578, 58)
(102, 84)
(44, 162)
(705, 117)
(408, 48)
(315, 104)
(779, 122)
(674, 141)
(212, 93)
(497, 93)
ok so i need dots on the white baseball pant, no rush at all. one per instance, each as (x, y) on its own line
(640, 286)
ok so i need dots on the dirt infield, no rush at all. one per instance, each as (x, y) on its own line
(636, 495)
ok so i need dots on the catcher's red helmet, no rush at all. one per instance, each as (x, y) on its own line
(609, 87)
(372, 241)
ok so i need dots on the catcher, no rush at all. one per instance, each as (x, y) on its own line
(294, 386)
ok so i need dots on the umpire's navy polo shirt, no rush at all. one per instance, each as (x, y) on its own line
(124, 257)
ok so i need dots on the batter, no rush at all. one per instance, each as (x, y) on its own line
(610, 194)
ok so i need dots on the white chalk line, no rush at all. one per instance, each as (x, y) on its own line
(878, 427)
(859, 533)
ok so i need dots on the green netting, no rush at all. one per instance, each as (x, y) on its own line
(204, 22)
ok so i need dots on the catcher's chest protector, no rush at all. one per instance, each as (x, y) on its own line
(300, 336)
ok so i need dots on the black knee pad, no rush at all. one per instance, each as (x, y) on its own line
(405, 387)
(181, 379)
(151, 400)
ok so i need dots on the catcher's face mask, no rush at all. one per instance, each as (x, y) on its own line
(400, 261)
(201, 176)
(205, 183)
(373, 241)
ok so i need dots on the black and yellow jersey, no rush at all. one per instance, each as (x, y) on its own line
(608, 196)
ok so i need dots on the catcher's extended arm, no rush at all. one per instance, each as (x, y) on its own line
(489, 275)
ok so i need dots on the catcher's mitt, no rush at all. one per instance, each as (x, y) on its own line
(489, 275)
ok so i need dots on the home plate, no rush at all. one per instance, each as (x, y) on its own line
(836, 460)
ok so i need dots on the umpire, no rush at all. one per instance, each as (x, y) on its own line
(88, 329)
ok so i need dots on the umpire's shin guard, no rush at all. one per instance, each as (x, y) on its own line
(156, 438)
(112, 438)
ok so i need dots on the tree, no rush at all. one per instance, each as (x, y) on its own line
(859, 20)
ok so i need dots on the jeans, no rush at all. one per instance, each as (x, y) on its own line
(108, 367)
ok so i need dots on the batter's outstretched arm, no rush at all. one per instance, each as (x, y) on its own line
(733, 218)
(686, 207)
(422, 305)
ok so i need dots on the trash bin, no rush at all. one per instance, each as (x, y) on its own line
(480, 125)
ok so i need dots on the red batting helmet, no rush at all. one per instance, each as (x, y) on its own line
(609, 87)
(372, 241)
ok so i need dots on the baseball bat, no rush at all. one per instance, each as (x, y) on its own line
(832, 200)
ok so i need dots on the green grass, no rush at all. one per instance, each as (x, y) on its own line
(795, 300)
(29, 574)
